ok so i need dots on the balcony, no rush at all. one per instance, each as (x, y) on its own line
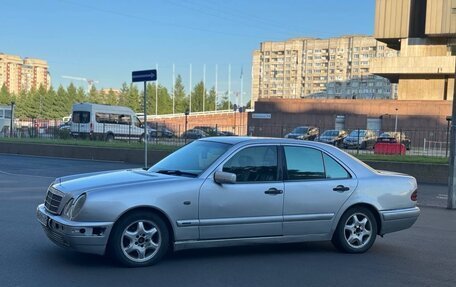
(437, 65)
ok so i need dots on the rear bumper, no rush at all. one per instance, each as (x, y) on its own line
(87, 237)
(398, 219)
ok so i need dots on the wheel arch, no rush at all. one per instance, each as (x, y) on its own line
(370, 207)
(151, 209)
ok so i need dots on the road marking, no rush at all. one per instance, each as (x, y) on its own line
(21, 174)
(442, 196)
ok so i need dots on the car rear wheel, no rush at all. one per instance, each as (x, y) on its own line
(139, 239)
(356, 231)
(109, 137)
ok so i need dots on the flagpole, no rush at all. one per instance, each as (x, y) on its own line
(204, 86)
(174, 92)
(156, 92)
(190, 91)
(216, 86)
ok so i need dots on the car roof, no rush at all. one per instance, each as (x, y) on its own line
(260, 140)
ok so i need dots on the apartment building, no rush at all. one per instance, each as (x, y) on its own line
(11, 72)
(19, 74)
(424, 34)
(306, 67)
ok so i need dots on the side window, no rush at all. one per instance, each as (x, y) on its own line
(333, 169)
(304, 163)
(254, 164)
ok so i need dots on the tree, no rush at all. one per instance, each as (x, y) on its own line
(5, 95)
(180, 101)
(224, 103)
(197, 97)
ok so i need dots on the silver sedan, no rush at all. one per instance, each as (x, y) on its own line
(229, 191)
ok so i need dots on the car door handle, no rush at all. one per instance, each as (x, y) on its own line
(341, 188)
(273, 191)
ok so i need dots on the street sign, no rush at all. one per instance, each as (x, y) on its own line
(144, 76)
(261, 116)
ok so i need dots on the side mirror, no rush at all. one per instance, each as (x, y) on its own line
(224, 177)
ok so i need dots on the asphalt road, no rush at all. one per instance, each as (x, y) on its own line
(424, 255)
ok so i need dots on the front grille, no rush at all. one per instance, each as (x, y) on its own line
(53, 200)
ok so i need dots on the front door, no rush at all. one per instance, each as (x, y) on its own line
(251, 207)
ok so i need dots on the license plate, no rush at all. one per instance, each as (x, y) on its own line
(42, 218)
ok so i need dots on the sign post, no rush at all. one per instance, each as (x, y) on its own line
(144, 76)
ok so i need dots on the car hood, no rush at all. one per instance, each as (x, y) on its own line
(77, 184)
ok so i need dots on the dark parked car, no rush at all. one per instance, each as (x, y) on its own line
(228, 133)
(160, 131)
(210, 131)
(194, 134)
(395, 137)
(362, 139)
(303, 133)
(334, 137)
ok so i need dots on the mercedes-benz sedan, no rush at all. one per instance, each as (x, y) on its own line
(229, 191)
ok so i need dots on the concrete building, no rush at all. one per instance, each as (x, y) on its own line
(23, 74)
(301, 67)
(424, 34)
(34, 74)
(11, 72)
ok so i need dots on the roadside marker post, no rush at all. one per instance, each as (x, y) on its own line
(144, 76)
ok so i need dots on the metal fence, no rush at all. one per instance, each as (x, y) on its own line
(422, 142)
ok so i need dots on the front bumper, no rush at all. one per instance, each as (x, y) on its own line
(87, 237)
(398, 219)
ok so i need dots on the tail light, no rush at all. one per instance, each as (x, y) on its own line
(414, 195)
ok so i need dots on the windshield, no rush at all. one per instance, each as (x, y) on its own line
(193, 158)
(355, 133)
(330, 133)
(300, 130)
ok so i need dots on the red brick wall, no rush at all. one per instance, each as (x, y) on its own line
(225, 121)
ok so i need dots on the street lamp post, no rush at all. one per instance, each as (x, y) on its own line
(187, 112)
(395, 123)
(12, 119)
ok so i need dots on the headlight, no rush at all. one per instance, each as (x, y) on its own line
(73, 208)
(300, 137)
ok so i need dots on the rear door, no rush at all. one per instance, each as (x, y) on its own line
(80, 122)
(316, 186)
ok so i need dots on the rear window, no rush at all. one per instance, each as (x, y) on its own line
(81, 117)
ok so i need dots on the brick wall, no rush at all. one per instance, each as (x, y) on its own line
(225, 121)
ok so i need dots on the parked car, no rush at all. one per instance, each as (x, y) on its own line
(362, 139)
(159, 131)
(227, 133)
(334, 137)
(194, 134)
(395, 137)
(229, 191)
(303, 133)
(66, 126)
(210, 131)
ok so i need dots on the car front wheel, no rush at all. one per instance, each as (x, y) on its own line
(139, 239)
(356, 231)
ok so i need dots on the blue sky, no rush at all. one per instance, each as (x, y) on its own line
(105, 40)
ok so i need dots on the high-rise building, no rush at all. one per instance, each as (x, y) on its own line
(23, 74)
(11, 72)
(306, 67)
(424, 34)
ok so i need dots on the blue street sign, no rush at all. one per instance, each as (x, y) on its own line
(144, 76)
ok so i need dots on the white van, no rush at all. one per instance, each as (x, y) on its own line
(5, 119)
(105, 122)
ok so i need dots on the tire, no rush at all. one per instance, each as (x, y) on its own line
(141, 138)
(139, 239)
(351, 225)
(109, 137)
